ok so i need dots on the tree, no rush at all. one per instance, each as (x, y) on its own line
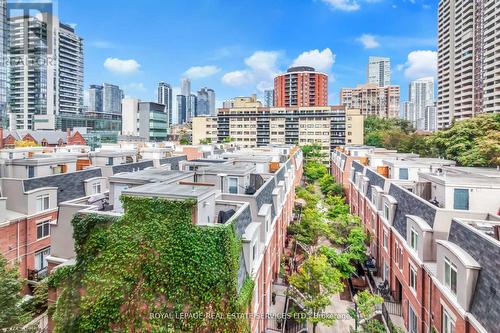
(364, 303)
(205, 141)
(317, 281)
(10, 294)
(227, 139)
(314, 170)
(184, 140)
(311, 228)
(312, 152)
(341, 261)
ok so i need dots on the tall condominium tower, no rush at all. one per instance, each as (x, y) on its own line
(185, 87)
(46, 72)
(468, 62)
(301, 86)
(379, 71)
(70, 71)
(95, 98)
(112, 98)
(269, 98)
(202, 108)
(191, 103)
(181, 109)
(372, 100)
(205, 102)
(421, 95)
(165, 97)
(4, 47)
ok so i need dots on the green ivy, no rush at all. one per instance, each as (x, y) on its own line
(146, 269)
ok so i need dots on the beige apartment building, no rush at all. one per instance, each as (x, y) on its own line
(248, 124)
(372, 100)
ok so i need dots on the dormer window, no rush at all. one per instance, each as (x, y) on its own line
(414, 239)
(450, 275)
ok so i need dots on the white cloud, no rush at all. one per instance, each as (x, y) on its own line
(420, 64)
(198, 72)
(122, 66)
(261, 69)
(368, 41)
(237, 78)
(320, 60)
(345, 5)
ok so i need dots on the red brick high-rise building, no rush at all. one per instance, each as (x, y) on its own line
(301, 86)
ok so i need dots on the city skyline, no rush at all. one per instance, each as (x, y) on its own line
(238, 63)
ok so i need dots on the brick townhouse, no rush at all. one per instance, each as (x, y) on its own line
(434, 237)
(257, 184)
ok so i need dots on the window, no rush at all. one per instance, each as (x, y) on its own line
(448, 323)
(233, 185)
(96, 188)
(41, 259)
(31, 171)
(42, 202)
(386, 211)
(372, 221)
(386, 241)
(403, 173)
(412, 320)
(413, 278)
(450, 275)
(110, 160)
(398, 255)
(254, 251)
(42, 229)
(461, 199)
(414, 239)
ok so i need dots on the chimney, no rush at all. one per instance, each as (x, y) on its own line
(1, 137)
(68, 136)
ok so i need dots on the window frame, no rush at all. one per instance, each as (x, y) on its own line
(449, 268)
(42, 202)
(412, 278)
(44, 253)
(44, 226)
(95, 186)
(413, 240)
(229, 179)
(407, 174)
(467, 204)
(447, 322)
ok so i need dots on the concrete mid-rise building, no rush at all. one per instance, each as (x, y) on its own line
(248, 124)
(468, 65)
(301, 86)
(145, 119)
(372, 100)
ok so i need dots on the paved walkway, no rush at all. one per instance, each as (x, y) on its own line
(343, 323)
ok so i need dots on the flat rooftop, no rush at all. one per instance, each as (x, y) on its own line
(152, 175)
(230, 168)
(452, 175)
(171, 190)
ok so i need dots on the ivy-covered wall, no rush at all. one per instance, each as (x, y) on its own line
(151, 270)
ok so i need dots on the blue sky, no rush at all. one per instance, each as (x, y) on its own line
(235, 47)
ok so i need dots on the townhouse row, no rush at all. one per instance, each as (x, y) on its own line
(254, 189)
(434, 235)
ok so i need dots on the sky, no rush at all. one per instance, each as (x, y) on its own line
(237, 46)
